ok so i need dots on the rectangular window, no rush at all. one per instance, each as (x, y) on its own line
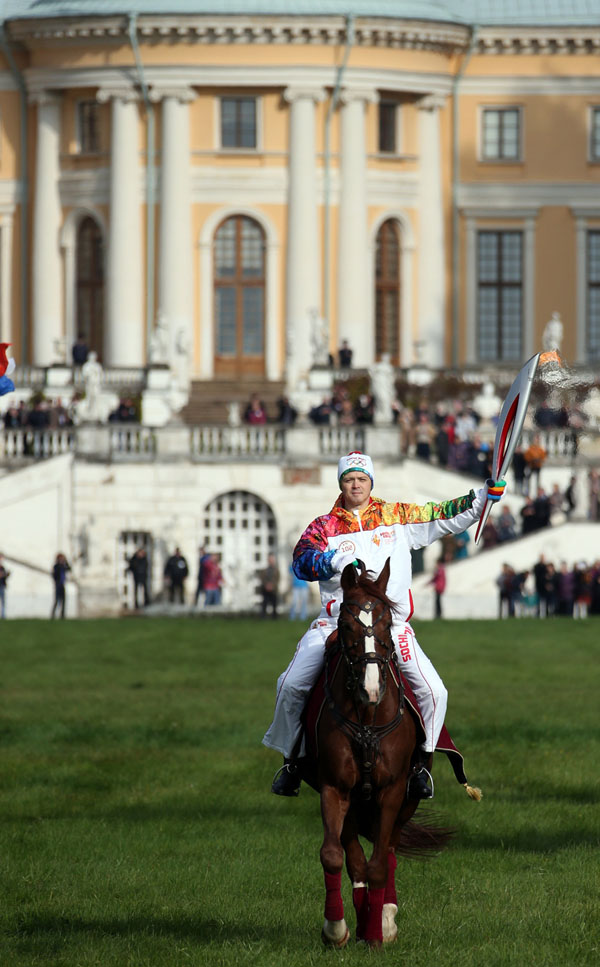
(593, 296)
(238, 122)
(595, 134)
(387, 126)
(501, 135)
(499, 295)
(88, 127)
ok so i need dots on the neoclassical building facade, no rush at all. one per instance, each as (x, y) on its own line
(236, 193)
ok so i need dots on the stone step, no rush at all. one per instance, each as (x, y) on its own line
(209, 399)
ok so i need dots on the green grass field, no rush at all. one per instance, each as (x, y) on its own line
(137, 827)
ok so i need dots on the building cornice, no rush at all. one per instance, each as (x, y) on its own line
(521, 85)
(198, 29)
(500, 197)
(538, 40)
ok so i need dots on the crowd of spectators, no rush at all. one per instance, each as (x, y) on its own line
(43, 414)
(548, 591)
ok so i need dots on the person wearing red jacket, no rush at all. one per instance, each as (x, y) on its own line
(363, 527)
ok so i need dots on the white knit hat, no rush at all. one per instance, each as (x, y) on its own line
(355, 461)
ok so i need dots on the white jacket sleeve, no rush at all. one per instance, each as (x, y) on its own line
(447, 517)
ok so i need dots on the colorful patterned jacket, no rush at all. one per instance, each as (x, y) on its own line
(382, 530)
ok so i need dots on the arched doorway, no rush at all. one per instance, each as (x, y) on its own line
(239, 298)
(89, 285)
(387, 291)
(241, 529)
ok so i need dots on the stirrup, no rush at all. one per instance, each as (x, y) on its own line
(287, 780)
(430, 788)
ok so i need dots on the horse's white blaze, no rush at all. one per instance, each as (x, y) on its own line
(372, 670)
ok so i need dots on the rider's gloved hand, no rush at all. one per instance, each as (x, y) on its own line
(495, 489)
(341, 559)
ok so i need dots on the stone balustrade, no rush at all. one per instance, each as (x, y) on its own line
(297, 445)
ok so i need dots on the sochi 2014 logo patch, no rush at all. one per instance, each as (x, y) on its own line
(347, 547)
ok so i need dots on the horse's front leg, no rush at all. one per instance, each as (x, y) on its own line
(380, 875)
(334, 807)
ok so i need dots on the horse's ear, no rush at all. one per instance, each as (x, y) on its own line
(382, 580)
(349, 577)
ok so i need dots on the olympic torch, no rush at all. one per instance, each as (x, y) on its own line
(508, 431)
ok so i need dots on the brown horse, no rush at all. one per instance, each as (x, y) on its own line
(366, 744)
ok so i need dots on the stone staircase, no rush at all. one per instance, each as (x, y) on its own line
(209, 399)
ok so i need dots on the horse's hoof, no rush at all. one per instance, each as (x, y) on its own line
(335, 933)
(388, 922)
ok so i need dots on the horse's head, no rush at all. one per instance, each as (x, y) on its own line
(364, 632)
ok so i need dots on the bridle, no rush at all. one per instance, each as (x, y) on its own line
(364, 737)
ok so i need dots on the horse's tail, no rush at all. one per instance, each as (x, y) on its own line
(421, 840)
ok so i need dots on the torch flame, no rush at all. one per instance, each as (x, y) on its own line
(550, 357)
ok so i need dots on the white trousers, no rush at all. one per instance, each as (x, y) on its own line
(301, 674)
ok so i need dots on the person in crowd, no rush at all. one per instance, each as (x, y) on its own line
(506, 525)
(582, 590)
(528, 517)
(345, 355)
(570, 497)
(535, 456)
(439, 586)
(59, 576)
(517, 591)
(299, 600)
(556, 498)
(269, 587)
(551, 593)
(461, 546)
(138, 568)
(255, 413)
(594, 494)
(442, 442)
(542, 508)
(520, 470)
(79, 351)
(424, 435)
(545, 417)
(175, 573)
(320, 415)
(407, 426)
(364, 408)
(200, 588)
(286, 413)
(329, 545)
(4, 576)
(346, 413)
(595, 588)
(540, 573)
(213, 581)
(505, 592)
(489, 536)
(565, 590)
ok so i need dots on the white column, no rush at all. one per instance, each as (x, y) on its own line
(124, 321)
(6, 237)
(432, 262)
(303, 278)
(355, 321)
(47, 213)
(175, 296)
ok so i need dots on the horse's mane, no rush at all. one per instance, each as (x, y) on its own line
(370, 587)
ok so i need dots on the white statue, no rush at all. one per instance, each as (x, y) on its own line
(487, 404)
(180, 360)
(591, 407)
(234, 417)
(319, 339)
(92, 373)
(553, 334)
(383, 388)
(158, 349)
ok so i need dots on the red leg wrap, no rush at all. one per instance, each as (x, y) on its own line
(334, 906)
(390, 887)
(374, 933)
(360, 900)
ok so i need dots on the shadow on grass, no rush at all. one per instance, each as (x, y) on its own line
(179, 927)
(530, 840)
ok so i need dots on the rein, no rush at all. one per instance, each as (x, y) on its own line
(365, 738)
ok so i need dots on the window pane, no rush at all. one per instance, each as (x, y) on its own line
(488, 256)
(225, 250)
(511, 323)
(594, 257)
(594, 324)
(247, 116)
(225, 308)
(228, 122)
(88, 126)
(491, 134)
(511, 256)
(510, 134)
(595, 146)
(252, 307)
(488, 323)
(387, 126)
(252, 250)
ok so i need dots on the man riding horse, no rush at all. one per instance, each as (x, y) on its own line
(366, 528)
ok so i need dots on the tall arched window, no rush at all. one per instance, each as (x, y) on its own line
(89, 319)
(387, 292)
(239, 260)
